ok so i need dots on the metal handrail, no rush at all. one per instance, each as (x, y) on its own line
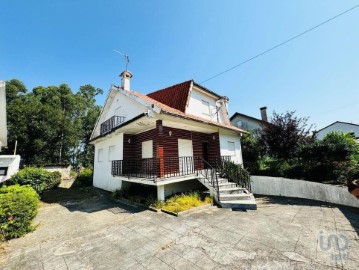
(210, 171)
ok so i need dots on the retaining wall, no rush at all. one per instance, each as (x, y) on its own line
(277, 186)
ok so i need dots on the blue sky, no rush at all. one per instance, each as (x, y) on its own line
(51, 42)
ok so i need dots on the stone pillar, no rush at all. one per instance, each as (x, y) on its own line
(161, 193)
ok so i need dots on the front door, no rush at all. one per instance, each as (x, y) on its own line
(205, 152)
(185, 155)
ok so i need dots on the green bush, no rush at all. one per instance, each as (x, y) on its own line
(84, 179)
(18, 207)
(236, 173)
(182, 202)
(38, 178)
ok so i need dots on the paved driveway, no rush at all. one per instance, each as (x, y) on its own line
(100, 234)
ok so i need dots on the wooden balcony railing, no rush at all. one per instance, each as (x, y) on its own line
(111, 123)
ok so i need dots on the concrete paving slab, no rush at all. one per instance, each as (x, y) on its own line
(281, 234)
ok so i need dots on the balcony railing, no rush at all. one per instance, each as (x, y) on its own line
(111, 123)
(156, 168)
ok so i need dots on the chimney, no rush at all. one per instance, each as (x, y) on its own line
(125, 81)
(264, 114)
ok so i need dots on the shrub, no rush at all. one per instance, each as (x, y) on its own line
(236, 173)
(84, 179)
(38, 178)
(179, 203)
(18, 207)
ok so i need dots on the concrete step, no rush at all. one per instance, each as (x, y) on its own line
(235, 197)
(222, 180)
(227, 185)
(240, 205)
(232, 190)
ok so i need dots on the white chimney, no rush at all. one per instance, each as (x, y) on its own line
(125, 81)
(264, 114)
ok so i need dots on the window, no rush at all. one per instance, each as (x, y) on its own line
(231, 149)
(3, 171)
(111, 152)
(100, 155)
(147, 149)
(205, 108)
(239, 124)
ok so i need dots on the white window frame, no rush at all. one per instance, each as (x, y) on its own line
(100, 155)
(111, 151)
(147, 149)
(231, 152)
(206, 109)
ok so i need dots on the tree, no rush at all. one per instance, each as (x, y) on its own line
(51, 124)
(252, 151)
(283, 135)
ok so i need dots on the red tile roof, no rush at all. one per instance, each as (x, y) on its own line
(175, 112)
(175, 96)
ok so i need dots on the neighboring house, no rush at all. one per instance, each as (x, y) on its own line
(247, 122)
(9, 165)
(170, 139)
(340, 127)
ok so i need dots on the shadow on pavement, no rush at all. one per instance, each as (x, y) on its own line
(351, 213)
(87, 200)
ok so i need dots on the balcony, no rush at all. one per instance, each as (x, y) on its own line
(111, 123)
(167, 167)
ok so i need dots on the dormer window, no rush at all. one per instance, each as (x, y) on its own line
(205, 108)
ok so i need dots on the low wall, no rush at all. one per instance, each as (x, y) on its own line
(277, 186)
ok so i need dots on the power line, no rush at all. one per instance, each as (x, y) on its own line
(336, 109)
(281, 44)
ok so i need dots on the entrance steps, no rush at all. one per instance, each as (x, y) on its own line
(230, 194)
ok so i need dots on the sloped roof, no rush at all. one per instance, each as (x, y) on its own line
(337, 122)
(176, 112)
(175, 96)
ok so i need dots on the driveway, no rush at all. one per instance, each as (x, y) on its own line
(98, 233)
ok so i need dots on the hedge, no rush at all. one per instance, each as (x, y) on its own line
(84, 179)
(38, 178)
(18, 207)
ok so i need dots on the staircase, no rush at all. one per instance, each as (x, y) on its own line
(226, 194)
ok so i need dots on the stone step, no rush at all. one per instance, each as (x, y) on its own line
(235, 197)
(227, 185)
(232, 190)
(240, 205)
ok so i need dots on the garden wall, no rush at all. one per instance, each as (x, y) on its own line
(277, 186)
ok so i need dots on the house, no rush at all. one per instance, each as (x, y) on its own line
(171, 138)
(340, 127)
(249, 123)
(9, 165)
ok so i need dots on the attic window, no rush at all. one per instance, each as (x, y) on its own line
(205, 108)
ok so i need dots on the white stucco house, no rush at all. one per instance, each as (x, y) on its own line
(171, 138)
(9, 165)
(249, 123)
(339, 127)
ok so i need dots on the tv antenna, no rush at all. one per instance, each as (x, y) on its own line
(127, 59)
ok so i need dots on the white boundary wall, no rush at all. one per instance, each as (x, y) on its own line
(12, 163)
(277, 186)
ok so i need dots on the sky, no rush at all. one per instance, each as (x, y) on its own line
(72, 41)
